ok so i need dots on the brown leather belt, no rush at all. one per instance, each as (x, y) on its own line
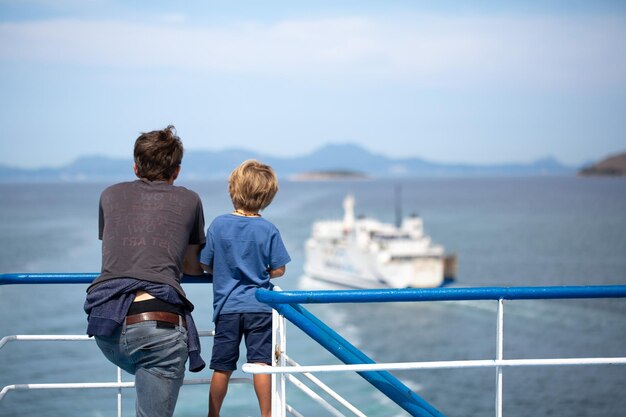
(156, 316)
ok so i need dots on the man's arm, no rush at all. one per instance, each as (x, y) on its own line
(207, 268)
(191, 265)
(278, 272)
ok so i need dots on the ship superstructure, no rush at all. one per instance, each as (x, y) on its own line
(366, 253)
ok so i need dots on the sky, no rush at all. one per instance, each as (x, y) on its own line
(479, 82)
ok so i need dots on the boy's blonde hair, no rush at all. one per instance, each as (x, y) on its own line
(252, 186)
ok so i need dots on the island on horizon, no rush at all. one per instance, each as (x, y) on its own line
(613, 166)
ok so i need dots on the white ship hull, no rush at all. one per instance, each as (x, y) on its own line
(354, 268)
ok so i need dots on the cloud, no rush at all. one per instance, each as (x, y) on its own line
(423, 50)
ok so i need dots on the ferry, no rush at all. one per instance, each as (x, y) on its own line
(366, 253)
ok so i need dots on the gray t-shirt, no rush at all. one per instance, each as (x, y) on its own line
(145, 228)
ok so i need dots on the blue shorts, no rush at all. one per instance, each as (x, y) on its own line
(255, 328)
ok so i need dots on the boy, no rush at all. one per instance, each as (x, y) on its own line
(243, 251)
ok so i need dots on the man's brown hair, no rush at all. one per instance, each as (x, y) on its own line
(158, 154)
(252, 186)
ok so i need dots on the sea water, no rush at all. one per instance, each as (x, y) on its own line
(504, 231)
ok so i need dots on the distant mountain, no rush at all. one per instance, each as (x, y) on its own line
(614, 165)
(330, 158)
(87, 168)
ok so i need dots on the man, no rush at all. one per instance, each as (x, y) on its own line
(151, 232)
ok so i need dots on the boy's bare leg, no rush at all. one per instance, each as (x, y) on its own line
(263, 389)
(217, 392)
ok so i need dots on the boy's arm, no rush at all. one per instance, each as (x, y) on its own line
(191, 265)
(278, 272)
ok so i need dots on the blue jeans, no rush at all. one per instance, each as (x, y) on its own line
(156, 355)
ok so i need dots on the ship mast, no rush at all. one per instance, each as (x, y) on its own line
(398, 206)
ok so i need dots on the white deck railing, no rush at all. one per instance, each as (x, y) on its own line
(119, 384)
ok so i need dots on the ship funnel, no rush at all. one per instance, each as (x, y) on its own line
(348, 213)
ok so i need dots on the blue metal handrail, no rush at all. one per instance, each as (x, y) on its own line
(440, 294)
(78, 278)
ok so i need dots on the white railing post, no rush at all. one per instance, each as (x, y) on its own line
(499, 356)
(279, 343)
(119, 392)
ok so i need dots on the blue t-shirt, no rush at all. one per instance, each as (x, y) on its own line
(241, 250)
